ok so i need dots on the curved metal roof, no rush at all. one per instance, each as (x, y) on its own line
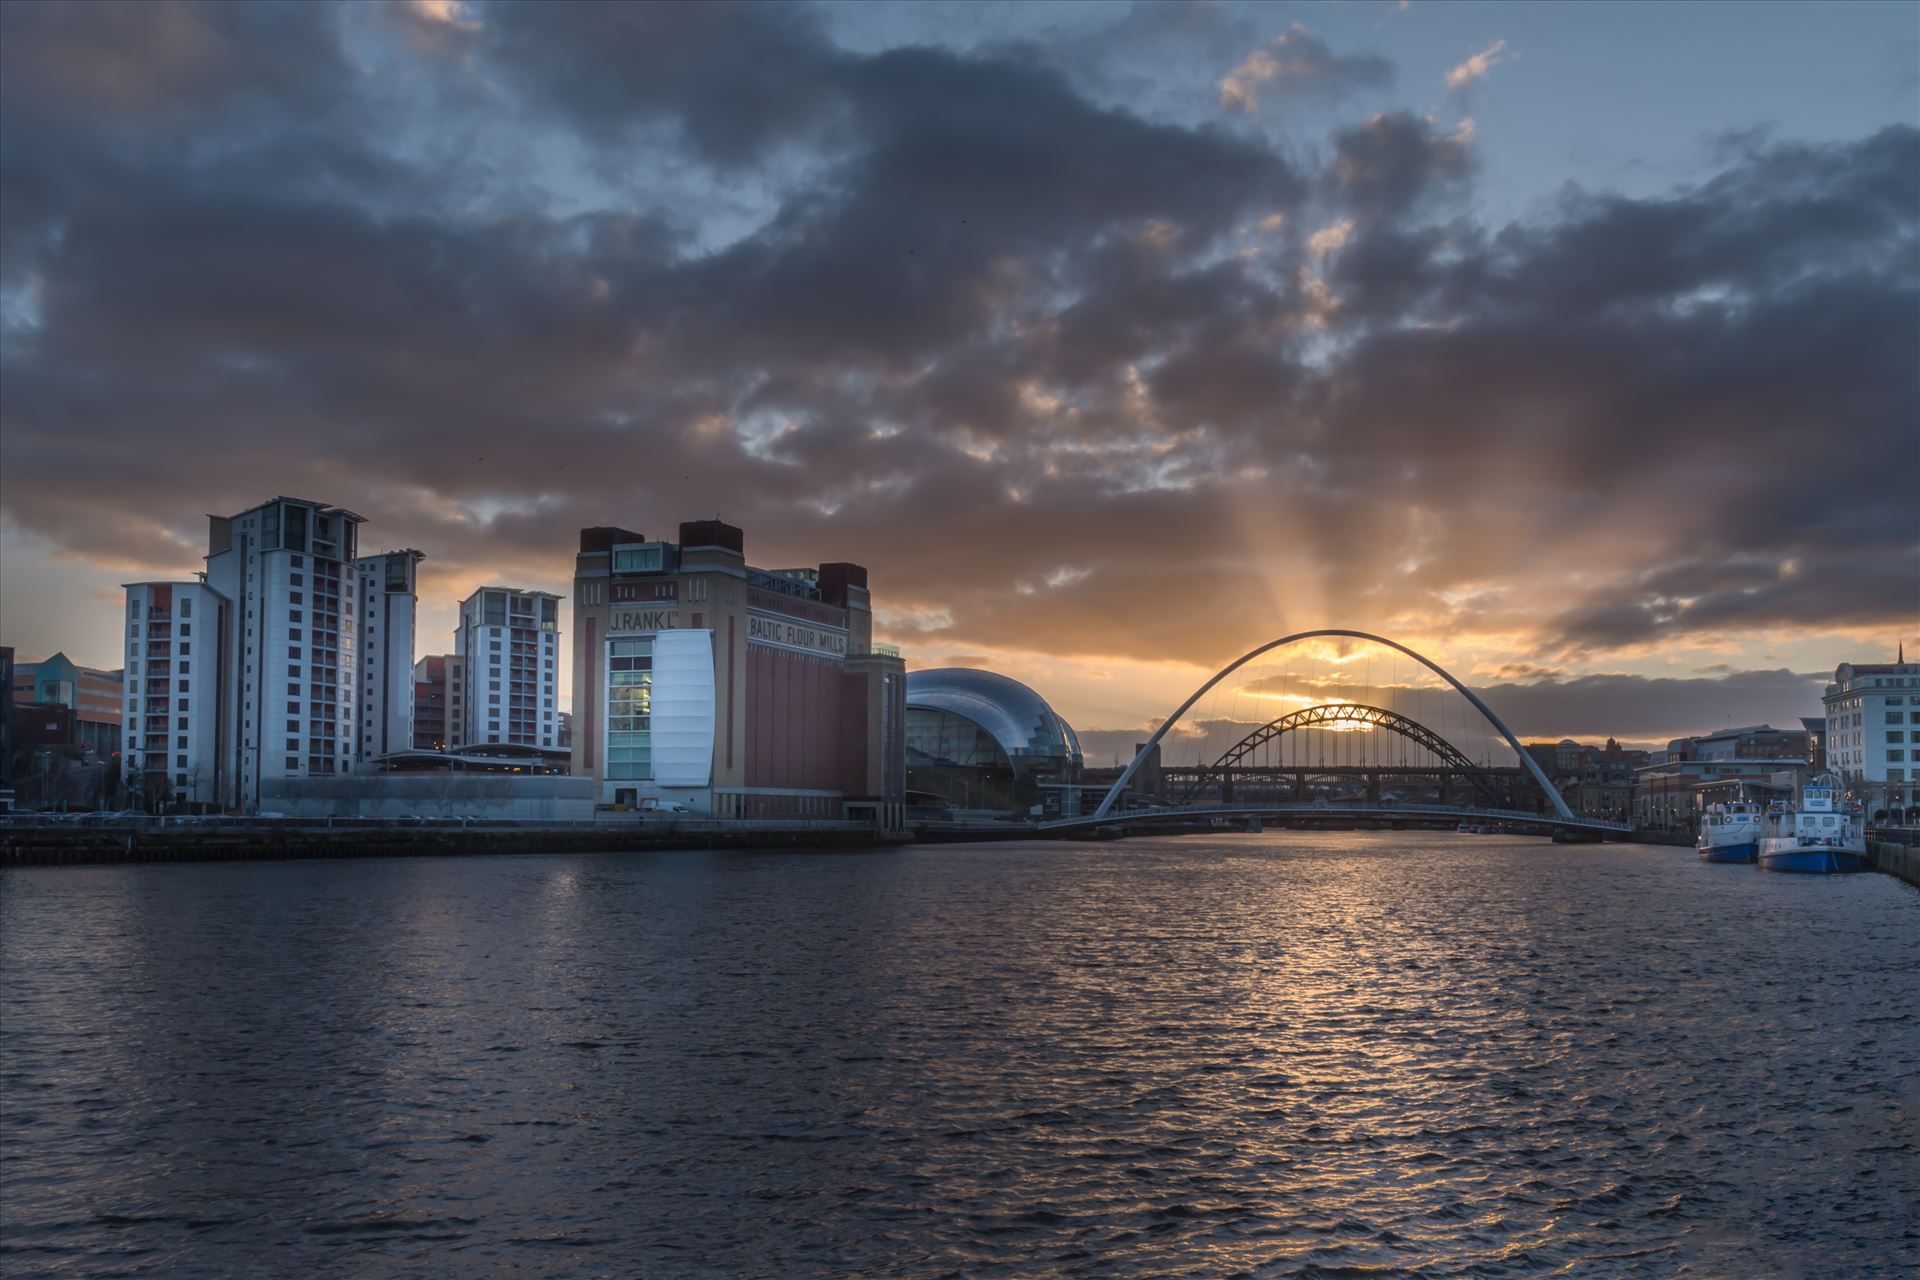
(1018, 718)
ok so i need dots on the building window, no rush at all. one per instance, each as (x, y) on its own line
(183, 704)
(630, 709)
(1896, 735)
(180, 762)
(637, 560)
(1897, 757)
(293, 764)
(181, 723)
(186, 648)
(1896, 717)
(186, 628)
(184, 666)
(186, 611)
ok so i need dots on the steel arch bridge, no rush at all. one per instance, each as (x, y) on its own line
(1343, 714)
(1104, 813)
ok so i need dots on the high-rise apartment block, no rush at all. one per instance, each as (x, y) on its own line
(430, 702)
(387, 599)
(290, 658)
(173, 731)
(286, 566)
(508, 650)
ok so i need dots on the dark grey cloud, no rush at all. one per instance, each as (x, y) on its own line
(1391, 163)
(1068, 376)
(734, 78)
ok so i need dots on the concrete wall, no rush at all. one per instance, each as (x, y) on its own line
(432, 795)
(1902, 860)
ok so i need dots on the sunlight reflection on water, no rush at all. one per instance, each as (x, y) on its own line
(1273, 1055)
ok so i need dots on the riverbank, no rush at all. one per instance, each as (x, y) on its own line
(55, 846)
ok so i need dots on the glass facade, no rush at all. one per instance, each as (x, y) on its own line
(629, 709)
(942, 737)
(642, 559)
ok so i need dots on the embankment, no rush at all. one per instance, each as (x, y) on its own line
(43, 846)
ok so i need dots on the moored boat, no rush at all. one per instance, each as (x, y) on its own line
(1823, 834)
(1730, 832)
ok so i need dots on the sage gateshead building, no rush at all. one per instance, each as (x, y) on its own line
(979, 740)
(737, 692)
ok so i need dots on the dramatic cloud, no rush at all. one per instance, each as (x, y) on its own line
(1073, 378)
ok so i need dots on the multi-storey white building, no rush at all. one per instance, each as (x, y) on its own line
(292, 645)
(171, 744)
(387, 599)
(508, 649)
(1873, 732)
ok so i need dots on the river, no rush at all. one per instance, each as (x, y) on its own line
(1336, 1054)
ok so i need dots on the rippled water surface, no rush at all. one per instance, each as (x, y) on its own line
(1334, 1055)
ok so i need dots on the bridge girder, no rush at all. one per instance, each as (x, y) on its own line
(1228, 769)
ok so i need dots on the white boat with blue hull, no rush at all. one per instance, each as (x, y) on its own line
(1821, 835)
(1730, 832)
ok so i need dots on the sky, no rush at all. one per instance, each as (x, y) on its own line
(1572, 345)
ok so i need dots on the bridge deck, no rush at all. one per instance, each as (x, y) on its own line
(1164, 813)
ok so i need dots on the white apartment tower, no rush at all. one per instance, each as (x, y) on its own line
(508, 648)
(1873, 732)
(387, 599)
(171, 744)
(289, 678)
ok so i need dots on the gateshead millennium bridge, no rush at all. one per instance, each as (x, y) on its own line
(1245, 784)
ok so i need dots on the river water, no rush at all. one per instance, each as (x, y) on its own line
(1341, 1054)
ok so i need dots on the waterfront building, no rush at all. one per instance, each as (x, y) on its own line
(1668, 794)
(1873, 734)
(6, 729)
(504, 680)
(430, 702)
(289, 675)
(701, 680)
(1816, 727)
(981, 740)
(173, 723)
(1749, 742)
(92, 693)
(1602, 785)
(386, 584)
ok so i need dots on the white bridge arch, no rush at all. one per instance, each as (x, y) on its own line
(1532, 766)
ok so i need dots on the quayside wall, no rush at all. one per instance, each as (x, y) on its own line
(31, 847)
(1902, 860)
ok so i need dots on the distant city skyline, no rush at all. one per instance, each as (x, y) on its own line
(1572, 343)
